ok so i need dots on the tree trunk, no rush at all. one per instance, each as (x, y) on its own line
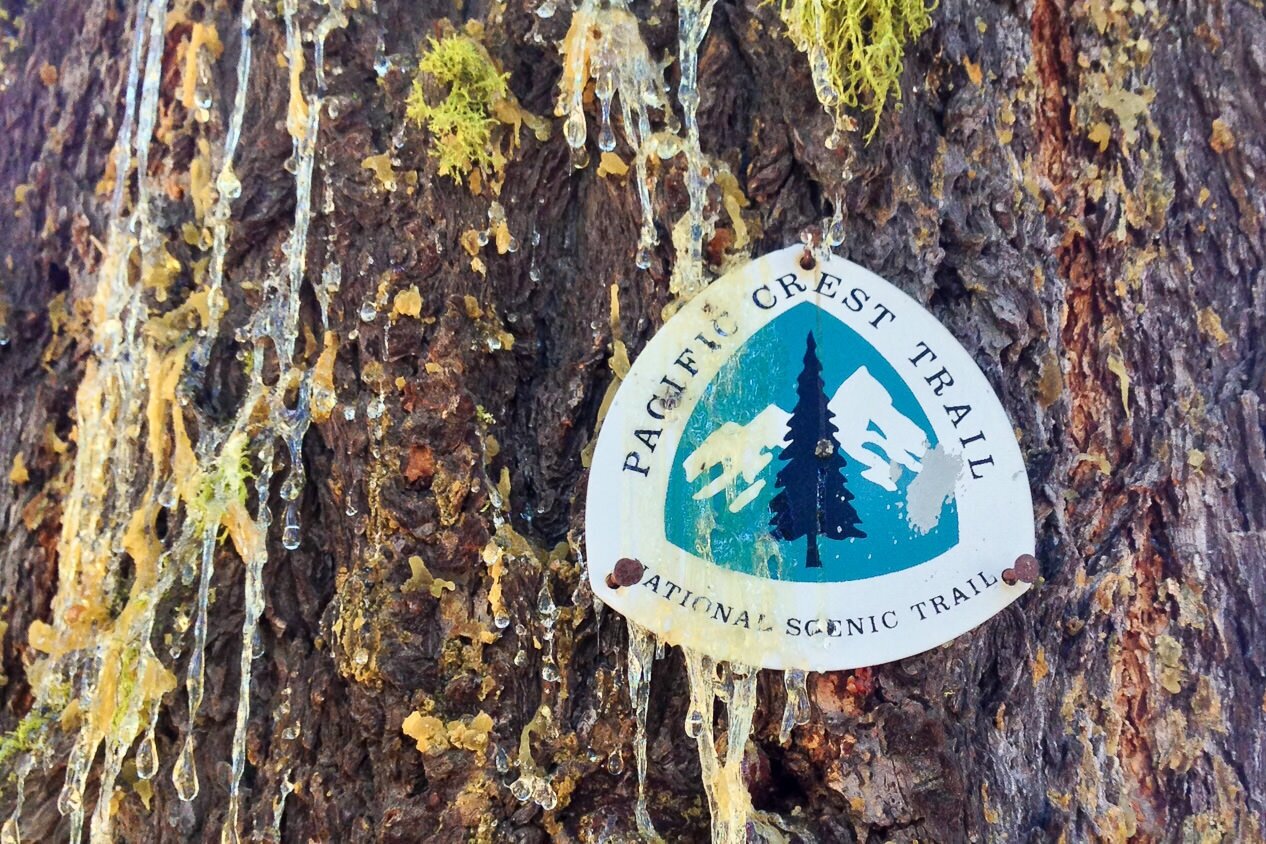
(1074, 188)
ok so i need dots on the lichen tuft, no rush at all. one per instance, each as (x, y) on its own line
(221, 489)
(462, 123)
(27, 737)
(856, 49)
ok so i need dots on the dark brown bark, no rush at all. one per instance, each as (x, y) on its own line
(1108, 279)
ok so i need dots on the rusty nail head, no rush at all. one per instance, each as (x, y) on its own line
(627, 572)
(1024, 569)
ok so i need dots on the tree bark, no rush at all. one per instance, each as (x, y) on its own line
(1074, 188)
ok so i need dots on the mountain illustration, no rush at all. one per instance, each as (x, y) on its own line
(871, 432)
(814, 501)
(732, 461)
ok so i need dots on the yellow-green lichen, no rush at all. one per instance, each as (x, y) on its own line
(462, 123)
(856, 49)
(26, 737)
(226, 485)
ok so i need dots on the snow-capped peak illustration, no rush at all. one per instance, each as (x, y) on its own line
(871, 432)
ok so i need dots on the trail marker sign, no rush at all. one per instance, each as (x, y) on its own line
(804, 469)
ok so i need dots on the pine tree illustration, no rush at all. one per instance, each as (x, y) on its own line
(814, 500)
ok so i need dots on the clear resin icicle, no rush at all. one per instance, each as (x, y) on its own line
(693, 19)
(728, 800)
(10, 832)
(184, 774)
(640, 662)
(132, 405)
(277, 324)
(605, 44)
(98, 509)
(228, 188)
(253, 608)
(796, 710)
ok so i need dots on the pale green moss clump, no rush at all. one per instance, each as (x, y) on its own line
(856, 49)
(461, 124)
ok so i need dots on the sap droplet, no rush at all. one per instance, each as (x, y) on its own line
(521, 789)
(185, 775)
(820, 70)
(835, 232)
(545, 604)
(290, 532)
(606, 135)
(167, 495)
(361, 657)
(368, 313)
(604, 89)
(543, 794)
(694, 723)
(228, 185)
(147, 756)
(292, 486)
(574, 131)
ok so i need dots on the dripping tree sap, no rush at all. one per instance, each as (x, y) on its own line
(805, 470)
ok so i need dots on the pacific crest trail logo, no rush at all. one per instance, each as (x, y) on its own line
(809, 472)
(772, 401)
